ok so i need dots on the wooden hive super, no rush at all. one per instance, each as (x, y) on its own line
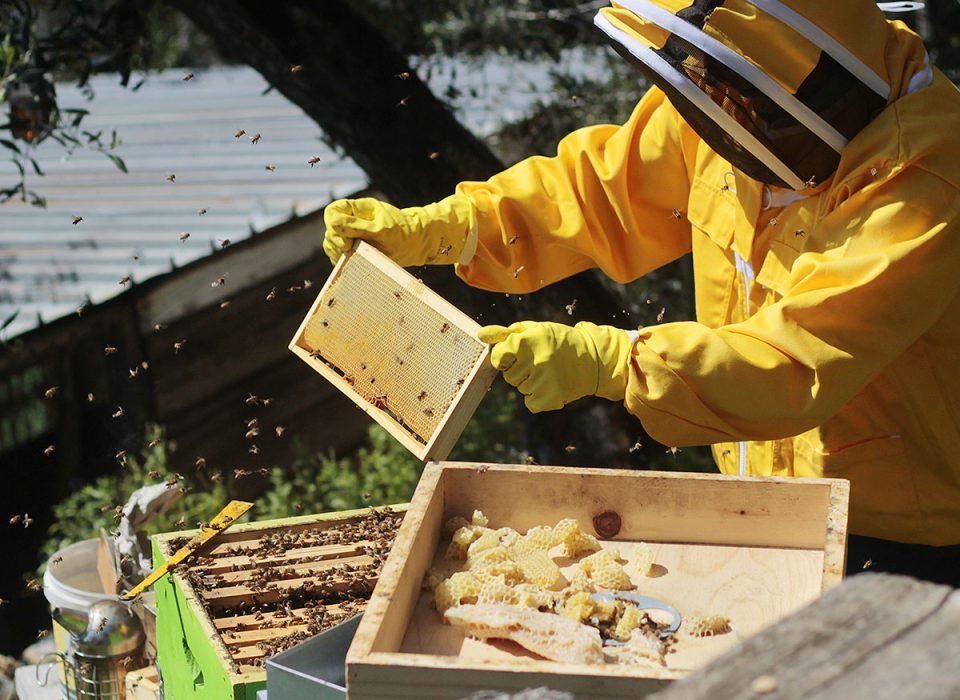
(257, 589)
(403, 354)
(749, 548)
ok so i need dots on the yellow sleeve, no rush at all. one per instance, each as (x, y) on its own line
(848, 313)
(605, 200)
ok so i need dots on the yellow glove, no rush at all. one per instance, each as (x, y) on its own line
(435, 234)
(553, 364)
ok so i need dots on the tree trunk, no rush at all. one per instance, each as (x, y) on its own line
(368, 100)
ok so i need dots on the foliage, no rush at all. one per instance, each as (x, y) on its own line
(83, 513)
(383, 471)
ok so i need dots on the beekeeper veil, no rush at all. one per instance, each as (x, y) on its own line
(777, 87)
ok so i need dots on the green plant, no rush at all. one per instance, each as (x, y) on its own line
(84, 512)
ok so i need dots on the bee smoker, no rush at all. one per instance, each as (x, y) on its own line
(104, 645)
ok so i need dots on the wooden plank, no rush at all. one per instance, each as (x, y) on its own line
(657, 506)
(283, 571)
(318, 555)
(265, 619)
(229, 596)
(876, 636)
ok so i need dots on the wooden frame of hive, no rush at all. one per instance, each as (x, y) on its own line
(403, 354)
(191, 650)
(751, 548)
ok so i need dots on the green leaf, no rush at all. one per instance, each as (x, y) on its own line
(118, 161)
(10, 319)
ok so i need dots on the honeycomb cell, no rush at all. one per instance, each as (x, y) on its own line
(605, 572)
(573, 539)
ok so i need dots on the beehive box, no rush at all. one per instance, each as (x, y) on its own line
(257, 589)
(403, 354)
(752, 549)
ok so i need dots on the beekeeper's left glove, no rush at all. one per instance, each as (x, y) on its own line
(552, 364)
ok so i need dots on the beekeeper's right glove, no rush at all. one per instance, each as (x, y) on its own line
(432, 235)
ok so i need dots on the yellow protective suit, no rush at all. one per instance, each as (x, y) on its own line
(839, 356)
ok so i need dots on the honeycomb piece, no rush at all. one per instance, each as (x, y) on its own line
(454, 524)
(707, 625)
(496, 590)
(462, 587)
(462, 539)
(579, 581)
(579, 607)
(644, 565)
(493, 538)
(494, 562)
(605, 572)
(536, 565)
(433, 579)
(631, 618)
(540, 537)
(640, 649)
(605, 610)
(552, 636)
(479, 519)
(574, 540)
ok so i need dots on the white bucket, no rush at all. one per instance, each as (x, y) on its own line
(72, 583)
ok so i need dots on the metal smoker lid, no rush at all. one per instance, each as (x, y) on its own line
(112, 631)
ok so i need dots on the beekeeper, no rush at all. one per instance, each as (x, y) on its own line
(807, 154)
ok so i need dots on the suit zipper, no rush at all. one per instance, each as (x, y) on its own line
(745, 268)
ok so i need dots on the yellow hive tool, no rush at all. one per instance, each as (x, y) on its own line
(224, 519)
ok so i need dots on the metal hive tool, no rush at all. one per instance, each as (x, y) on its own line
(398, 350)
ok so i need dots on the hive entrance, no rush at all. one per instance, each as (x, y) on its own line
(397, 349)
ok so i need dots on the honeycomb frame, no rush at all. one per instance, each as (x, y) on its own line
(403, 354)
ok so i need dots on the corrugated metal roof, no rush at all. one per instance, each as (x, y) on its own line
(132, 222)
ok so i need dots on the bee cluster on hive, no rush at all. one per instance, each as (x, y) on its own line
(507, 585)
(271, 589)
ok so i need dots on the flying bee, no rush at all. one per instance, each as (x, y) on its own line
(15, 519)
(799, 233)
(34, 584)
(513, 240)
(172, 177)
(118, 413)
(405, 75)
(252, 433)
(267, 401)
(133, 372)
(313, 161)
(516, 273)
(201, 212)
(219, 282)
(445, 327)
(181, 523)
(238, 133)
(216, 476)
(404, 102)
(254, 450)
(570, 449)
(279, 430)
(272, 294)
(27, 520)
(636, 446)
(184, 235)
(240, 473)
(255, 138)
(224, 242)
(178, 346)
(76, 220)
(434, 155)
(270, 168)
(571, 307)
(153, 474)
(421, 396)
(873, 172)
(252, 399)
(663, 312)
(153, 443)
(773, 221)
(43, 633)
(200, 463)
(188, 76)
(296, 68)
(90, 397)
(676, 214)
(51, 392)
(673, 450)
(109, 350)
(121, 457)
